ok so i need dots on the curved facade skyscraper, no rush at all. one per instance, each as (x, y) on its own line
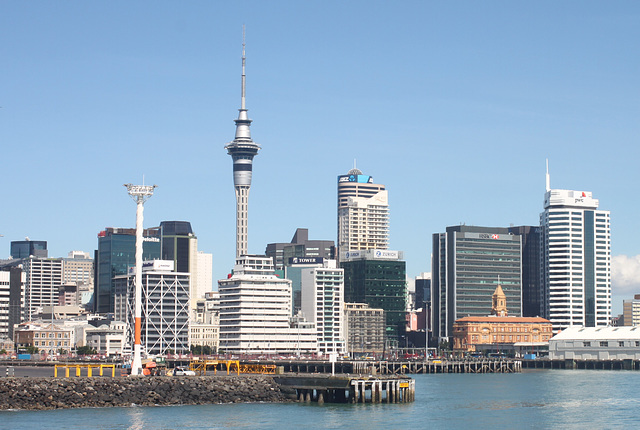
(242, 150)
(363, 214)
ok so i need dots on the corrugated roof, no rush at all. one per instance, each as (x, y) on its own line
(598, 333)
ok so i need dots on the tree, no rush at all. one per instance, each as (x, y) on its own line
(32, 349)
(3, 351)
(86, 350)
(201, 350)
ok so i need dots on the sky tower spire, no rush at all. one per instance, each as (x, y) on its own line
(242, 150)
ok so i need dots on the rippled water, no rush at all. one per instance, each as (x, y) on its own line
(533, 399)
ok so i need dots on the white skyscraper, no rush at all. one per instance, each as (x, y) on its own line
(323, 304)
(363, 214)
(255, 311)
(577, 259)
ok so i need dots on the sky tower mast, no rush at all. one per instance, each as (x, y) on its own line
(140, 194)
(242, 150)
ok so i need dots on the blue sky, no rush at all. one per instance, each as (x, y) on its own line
(454, 106)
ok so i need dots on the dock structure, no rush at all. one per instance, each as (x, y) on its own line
(347, 389)
(404, 367)
(625, 364)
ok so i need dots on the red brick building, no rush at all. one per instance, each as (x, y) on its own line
(500, 332)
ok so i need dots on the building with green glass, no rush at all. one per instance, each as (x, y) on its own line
(116, 253)
(378, 278)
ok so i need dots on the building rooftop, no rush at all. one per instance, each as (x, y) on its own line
(598, 333)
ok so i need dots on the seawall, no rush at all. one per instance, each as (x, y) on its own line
(80, 392)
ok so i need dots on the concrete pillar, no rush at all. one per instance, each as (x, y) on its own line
(356, 393)
(301, 396)
(387, 384)
(320, 397)
(364, 392)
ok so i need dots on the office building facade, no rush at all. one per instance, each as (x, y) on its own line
(255, 312)
(468, 262)
(299, 247)
(363, 214)
(532, 283)
(577, 259)
(165, 307)
(366, 328)
(378, 278)
(29, 248)
(323, 304)
(116, 253)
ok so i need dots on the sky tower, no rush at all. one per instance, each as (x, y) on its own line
(242, 150)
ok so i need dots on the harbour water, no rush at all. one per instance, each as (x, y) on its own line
(532, 399)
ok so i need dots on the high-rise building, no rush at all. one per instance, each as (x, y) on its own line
(577, 259)
(5, 296)
(300, 246)
(116, 253)
(43, 278)
(468, 262)
(242, 150)
(77, 274)
(363, 214)
(365, 328)
(28, 248)
(165, 307)
(255, 312)
(532, 284)
(12, 289)
(631, 311)
(204, 275)
(323, 303)
(293, 272)
(180, 245)
(378, 278)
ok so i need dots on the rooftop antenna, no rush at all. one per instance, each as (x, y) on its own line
(244, 76)
(548, 180)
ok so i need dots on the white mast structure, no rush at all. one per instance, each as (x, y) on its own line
(140, 194)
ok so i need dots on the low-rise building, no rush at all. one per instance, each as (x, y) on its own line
(48, 338)
(500, 333)
(596, 343)
(108, 339)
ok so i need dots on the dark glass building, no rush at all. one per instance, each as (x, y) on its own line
(178, 244)
(116, 253)
(532, 285)
(468, 263)
(380, 283)
(27, 248)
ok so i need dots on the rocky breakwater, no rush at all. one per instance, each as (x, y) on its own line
(56, 393)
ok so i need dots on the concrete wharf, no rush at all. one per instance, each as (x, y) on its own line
(347, 389)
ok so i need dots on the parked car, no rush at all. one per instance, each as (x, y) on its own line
(183, 371)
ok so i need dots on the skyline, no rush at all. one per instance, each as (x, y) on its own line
(454, 108)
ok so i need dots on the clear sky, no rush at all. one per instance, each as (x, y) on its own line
(454, 106)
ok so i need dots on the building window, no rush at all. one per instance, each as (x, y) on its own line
(621, 344)
(586, 344)
(604, 343)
